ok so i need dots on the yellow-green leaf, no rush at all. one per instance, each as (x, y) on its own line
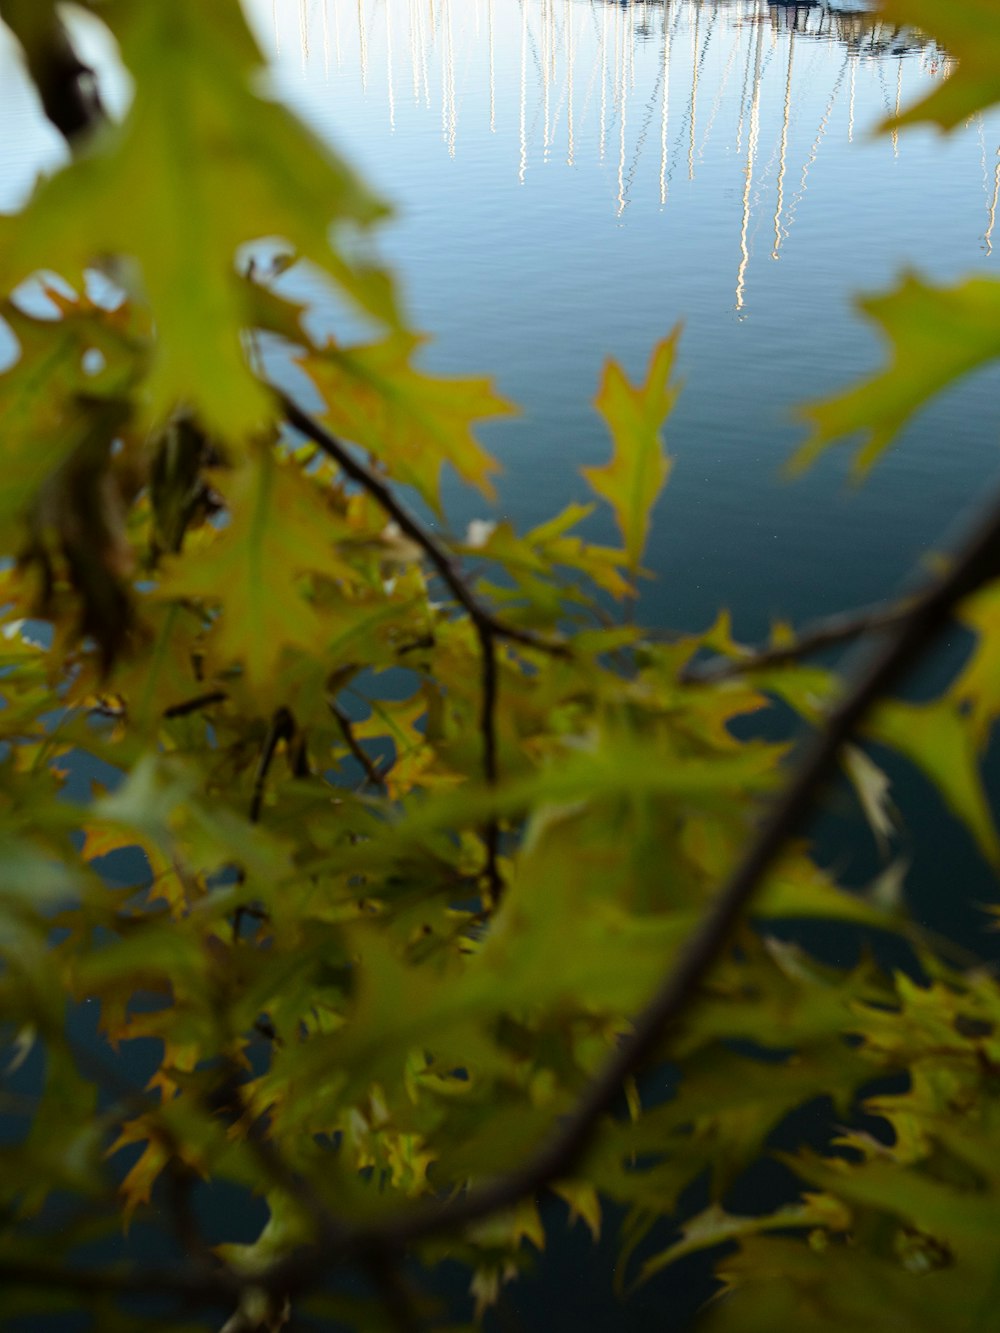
(279, 529)
(938, 740)
(201, 166)
(639, 466)
(413, 422)
(936, 335)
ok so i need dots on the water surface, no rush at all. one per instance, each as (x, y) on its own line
(573, 177)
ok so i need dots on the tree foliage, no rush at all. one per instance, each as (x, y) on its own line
(404, 856)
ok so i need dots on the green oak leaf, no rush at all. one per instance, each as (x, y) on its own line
(412, 422)
(201, 166)
(936, 335)
(279, 529)
(639, 467)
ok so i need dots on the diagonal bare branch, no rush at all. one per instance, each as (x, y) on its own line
(827, 633)
(976, 563)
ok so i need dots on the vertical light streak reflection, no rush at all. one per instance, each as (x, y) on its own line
(388, 67)
(546, 72)
(665, 116)
(414, 52)
(854, 80)
(363, 45)
(694, 90)
(493, 84)
(723, 85)
(570, 149)
(524, 93)
(449, 37)
(604, 82)
(303, 33)
(783, 151)
(751, 154)
(814, 151)
(899, 99)
(622, 103)
(988, 238)
(743, 96)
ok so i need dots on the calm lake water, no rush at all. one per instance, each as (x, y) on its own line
(573, 177)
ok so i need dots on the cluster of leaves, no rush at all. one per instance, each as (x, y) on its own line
(381, 840)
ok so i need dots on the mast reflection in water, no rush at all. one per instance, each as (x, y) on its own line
(644, 88)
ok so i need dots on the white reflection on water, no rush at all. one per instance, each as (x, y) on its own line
(574, 81)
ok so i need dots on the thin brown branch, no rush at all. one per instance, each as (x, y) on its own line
(489, 628)
(200, 701)
(438, 555)
(396, 1297)
(977, 562)
(827, 633)
(282, 728)
(374, 775)
(488, 730)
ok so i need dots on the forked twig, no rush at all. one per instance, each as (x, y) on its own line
(489, 627)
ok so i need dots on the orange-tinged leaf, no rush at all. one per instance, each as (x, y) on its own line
(279, 529)
(413, 422)
(639, 466)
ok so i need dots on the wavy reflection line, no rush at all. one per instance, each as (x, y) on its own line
(604, 82)
(523, 168)
(899, 102)
(570, 146)
(363, 45)
(783, 151)
(694, 90)
(723, 85)
(493, 82)
(751, 154)
(388, 69)
(744, 101)
(623, 100)
(854, 80)
(814, 151)
(449, 41)
(665, 117)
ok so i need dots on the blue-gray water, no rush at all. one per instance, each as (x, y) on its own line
(629, 166)
(571, 178)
